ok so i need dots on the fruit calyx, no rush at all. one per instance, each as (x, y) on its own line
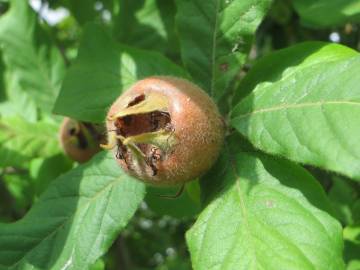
(142, 131)
(164, 131)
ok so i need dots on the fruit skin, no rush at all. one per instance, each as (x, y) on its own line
(69, 140)
(198, 131)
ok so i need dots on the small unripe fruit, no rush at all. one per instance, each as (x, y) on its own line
(165, 131)
(79, 140)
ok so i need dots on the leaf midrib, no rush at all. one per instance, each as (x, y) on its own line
(242, 204)
(213, 45)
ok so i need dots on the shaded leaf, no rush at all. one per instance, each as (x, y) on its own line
(147, 24)
(343, 197)
(215, 38)
(183, 206)
(83, 11)
(352, 247)
(18, 185)
(326, 13)
(44, 170)
(75, 220)
(356, 211)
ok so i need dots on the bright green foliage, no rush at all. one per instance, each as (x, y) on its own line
(75, 220)
(30, 56)
(259, 221)
(310, 115)
(13, 100)
(22, 141)
(325, 13)
(282, 63)
(103, 65)
(215, 38)
(251, 210)
(17, 102)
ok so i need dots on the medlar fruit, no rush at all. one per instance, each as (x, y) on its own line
(165, 130)
(80, 140)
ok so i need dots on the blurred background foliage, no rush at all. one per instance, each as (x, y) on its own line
(155, 237)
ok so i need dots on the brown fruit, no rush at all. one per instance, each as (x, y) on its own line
(165, 131)
(79, 140)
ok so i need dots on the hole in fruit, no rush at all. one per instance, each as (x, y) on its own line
(72, 131)
(132, 125)
(127, 120)
(136, 100)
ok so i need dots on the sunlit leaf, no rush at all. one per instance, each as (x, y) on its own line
(309, 114)
(29, 54)
(257, 219)
(20, 141)
(75, 221)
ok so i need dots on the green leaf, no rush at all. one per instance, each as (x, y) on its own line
(282, 63)
(343, 197)
(353, 265)
(356, 211)
(20, 141)
(257, 220)
(352, 247)
(29, 54)
(11, 100)
(18, 102)
(99, 265)
(215, 38)
(18, 185)
(327, 13)
(147, 24)
(102, 71)
(83, 11)
(309, 114)
(44, 170)
(75, 221)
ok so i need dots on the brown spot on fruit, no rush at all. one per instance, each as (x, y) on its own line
(137, 100)
(168, 130)
(80, 140)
